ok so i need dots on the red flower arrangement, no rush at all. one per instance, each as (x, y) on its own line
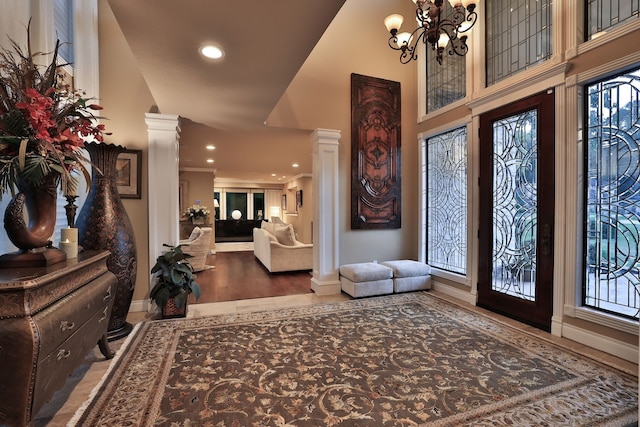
(42, 122)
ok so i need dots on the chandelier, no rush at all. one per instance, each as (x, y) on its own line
(433, 28)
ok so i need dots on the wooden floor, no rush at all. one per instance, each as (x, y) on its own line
(239, 275)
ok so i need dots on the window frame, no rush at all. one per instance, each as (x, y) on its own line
(574, 179)
(463, 279)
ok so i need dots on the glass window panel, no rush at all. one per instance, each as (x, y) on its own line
(236, 201)
(258, 205)
(518, 35)
(605, 14)
(63, 25)
(446, 83)
(447, 201)
(612, 195)
(515, 195)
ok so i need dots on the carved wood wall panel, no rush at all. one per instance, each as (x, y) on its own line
(375, 153)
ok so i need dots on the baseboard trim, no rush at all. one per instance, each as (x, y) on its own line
(329, 287)
(600, 342)
(451, 291)
(138, 306)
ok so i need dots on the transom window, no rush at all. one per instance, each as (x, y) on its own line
(447, 201)
(605, 14)
(446, 82)
(612, 195)
(518, 35)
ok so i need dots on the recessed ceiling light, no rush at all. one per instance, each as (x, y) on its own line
(209, 160)
(273, 174)
(295, 165)
(210, 147)
(211, 51)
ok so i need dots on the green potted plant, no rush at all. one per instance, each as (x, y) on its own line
(174, 281)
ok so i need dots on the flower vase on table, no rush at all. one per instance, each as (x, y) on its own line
(42, 126)
(198, 214)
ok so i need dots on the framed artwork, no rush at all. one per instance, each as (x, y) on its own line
(129, 174)
(375, 153)
(298, 198)
(283, 207)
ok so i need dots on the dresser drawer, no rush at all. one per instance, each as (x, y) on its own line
(53, 371)
(58, 322)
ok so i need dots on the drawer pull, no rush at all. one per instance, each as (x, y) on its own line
(66, 326)
(104, 312)
(107, 295)
(63, 354)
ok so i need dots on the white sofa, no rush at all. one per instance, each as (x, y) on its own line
(276, 247)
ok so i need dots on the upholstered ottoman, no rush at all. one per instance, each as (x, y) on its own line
(366, 279)
(409, 275)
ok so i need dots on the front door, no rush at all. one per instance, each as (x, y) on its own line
(516, 210)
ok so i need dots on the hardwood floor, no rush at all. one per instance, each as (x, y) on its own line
(239, 275)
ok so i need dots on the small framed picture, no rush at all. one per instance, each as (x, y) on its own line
(298, 198)
(129, 174)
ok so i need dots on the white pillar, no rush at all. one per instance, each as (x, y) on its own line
(163, 131)
(325, 280)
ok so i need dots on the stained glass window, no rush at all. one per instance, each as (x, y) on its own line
(612, 195)
(605, 14)
(518, 35)
(447, 201)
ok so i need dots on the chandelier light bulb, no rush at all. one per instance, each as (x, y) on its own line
(443, 40)
(455, 3)
(393, 22)
(404, 39)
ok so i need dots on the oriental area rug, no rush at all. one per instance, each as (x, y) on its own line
(399, 360)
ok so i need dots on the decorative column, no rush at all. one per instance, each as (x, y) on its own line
(325, 280)
(163, 131)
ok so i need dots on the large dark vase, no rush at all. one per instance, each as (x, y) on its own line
(104, 224)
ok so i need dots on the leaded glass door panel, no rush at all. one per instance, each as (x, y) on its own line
(516, 193)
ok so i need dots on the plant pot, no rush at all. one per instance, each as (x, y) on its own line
(171, 311)
(197, 221)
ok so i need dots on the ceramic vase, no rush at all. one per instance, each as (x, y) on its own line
(32, 238)
(103, 224)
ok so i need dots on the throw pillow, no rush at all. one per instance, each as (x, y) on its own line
(285, 235)
(267, 226)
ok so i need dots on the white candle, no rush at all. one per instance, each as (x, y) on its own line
(69, 234)
(69, 248)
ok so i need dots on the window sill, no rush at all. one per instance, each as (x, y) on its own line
(453, 277)
(605, 319)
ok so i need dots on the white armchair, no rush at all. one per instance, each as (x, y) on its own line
(197, 245)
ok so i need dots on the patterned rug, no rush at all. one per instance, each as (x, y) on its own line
(399, 360)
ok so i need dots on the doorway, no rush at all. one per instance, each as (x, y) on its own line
(515, 271)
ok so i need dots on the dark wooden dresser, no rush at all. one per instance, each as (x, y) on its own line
(50, 318)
